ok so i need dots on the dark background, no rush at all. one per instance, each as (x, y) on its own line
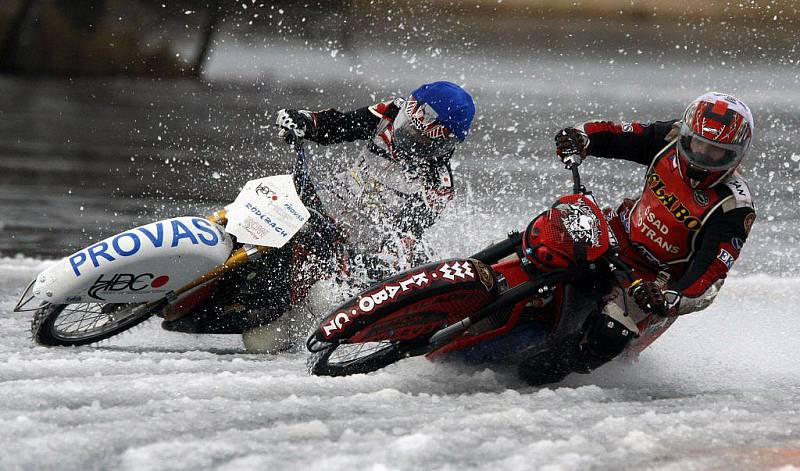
(115, 112)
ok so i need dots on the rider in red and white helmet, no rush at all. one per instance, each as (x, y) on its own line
(714, 137)
(681, 235)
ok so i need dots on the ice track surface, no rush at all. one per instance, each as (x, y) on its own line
(718, 391)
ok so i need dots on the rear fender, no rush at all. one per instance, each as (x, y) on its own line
(412, 303)
(138, 265)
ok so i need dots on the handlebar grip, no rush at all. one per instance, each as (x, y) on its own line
(573, 161)
(292, 137)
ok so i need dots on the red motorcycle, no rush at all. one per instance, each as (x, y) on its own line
(504, 304)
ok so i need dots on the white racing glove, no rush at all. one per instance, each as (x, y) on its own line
(297, 122)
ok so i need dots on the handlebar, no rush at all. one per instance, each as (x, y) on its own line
(300, 171)
(572, 163)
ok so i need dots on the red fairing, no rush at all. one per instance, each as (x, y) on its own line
(190, 301)
(557, 238)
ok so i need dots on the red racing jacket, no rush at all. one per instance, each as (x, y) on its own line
(693, 236)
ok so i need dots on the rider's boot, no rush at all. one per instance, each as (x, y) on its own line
(275, 337)
(208, 319)
(550, 365)
(292, 328)
(232, 318)
(604, 335)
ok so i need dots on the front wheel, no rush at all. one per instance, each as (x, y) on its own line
(358, 358)
(84, 323)
(395, 318)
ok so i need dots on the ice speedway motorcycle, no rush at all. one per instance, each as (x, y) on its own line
(504, 304)
(165, 268)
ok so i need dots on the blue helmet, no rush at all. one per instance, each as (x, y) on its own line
(453, 105)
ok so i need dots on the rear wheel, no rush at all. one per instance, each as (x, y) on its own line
(84, 323)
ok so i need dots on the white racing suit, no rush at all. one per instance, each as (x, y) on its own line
(380, 205)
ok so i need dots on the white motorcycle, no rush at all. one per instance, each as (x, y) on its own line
(164, 268)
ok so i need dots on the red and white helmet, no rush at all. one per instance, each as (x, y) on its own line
(715, 134)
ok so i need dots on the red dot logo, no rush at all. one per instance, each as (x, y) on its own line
(274, 197)
(160, 281)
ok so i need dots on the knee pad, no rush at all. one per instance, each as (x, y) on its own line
(605, 336)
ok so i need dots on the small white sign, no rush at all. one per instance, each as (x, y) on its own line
(267, 212)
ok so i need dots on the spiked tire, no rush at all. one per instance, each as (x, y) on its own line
(364, 358)
(80, 324)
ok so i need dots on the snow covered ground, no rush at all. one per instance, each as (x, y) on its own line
(720, 390)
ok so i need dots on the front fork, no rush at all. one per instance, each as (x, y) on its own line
(219, 217)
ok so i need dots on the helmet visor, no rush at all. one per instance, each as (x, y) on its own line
(705, 154)
(418, 141)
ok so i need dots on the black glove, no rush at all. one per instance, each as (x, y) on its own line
(651, 299)
(291, 123)
(571, 142)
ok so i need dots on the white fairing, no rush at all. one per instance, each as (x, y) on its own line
(267, 212)
(141, 264)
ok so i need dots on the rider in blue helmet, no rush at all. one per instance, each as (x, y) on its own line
(435, 117)
(392, 191)
(401, 181)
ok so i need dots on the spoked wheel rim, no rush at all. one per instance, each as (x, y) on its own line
(89, 320)
(349, 353)
(344, 359)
